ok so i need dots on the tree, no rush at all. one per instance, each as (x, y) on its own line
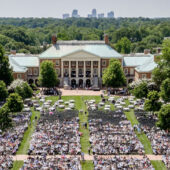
(152, 102)
(140, 90)
(165, 90)
(3, 91)
(48, 77)
(164, 117)
(113, 75)
(5, 120)
(5, 71)
(123, 45)
(22, 88)
(15, 103)
(162, 71)
(25, 91)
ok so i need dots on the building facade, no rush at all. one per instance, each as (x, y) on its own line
(81, 63)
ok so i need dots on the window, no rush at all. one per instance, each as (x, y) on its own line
(88, 63)
(126, 71)
(35, 71)
(143, 76)
(57, 62)
(73, 63)
(30, 71)
(95, 71)
(131, 71)
(80, 71)
(66, 63)
(66, 70)
(103, 62)
(80, 63)
(19, 76)
(58, 72)
(95, 63)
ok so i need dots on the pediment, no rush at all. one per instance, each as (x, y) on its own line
(81, 55)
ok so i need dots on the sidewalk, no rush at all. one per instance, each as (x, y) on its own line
(90, 157)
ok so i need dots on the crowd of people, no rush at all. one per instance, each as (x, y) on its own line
(10, 140)
(56, 134)
(166, 160)
(118, 162)
(52, 163)
(160, 139)
(112, 133)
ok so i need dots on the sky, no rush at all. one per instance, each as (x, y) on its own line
(55, 8)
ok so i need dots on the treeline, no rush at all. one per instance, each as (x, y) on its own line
(32, 34)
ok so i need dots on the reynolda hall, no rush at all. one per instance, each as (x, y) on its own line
(81, 63)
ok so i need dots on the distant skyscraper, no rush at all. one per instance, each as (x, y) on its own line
(101, 15)
(94, 13)
(89, 15)
(75, 13)
(110, 14)
(66, 16)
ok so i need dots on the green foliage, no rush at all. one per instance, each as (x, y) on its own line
(152, 102)
(30, 33)
(165, 90)
(113, 75)
(162, 71)
(5, 120)
(3, 91)
(164, 117)
(140, 90)
(25, 91)
(22, 88)
(123, 45)
(48, 77)
(14, 102)
(5, 72)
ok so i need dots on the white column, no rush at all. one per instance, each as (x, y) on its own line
(69, 69)
(62, 75)
(76, 68)
(84, 69)
(91, 68)
(99, 69)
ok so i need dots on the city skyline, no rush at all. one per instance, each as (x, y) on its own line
(55, 9)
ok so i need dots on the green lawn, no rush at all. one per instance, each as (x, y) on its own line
(87, 165)
(158, 165)
(17, 165)
(23, 149)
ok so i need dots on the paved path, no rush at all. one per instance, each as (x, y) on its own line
(80, 92)
(90, 157)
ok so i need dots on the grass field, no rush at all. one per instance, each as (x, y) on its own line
(158, 165)
(87, 165)
(17, 165)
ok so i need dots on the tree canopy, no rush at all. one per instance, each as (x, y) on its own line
(165, 90)
(32, 33)
(3, 91)
(48, 77)
(113, 75)
(152, 103)
(14, 102)
(5, 70)
(164, 117)
(123, 45)
(5, 120)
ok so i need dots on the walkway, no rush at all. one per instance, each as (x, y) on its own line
(90, 157)
(80, 92)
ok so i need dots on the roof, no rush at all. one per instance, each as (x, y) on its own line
(15, 67)
(148, 66)
(62, 49)
(133, 60)
(26, 60)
